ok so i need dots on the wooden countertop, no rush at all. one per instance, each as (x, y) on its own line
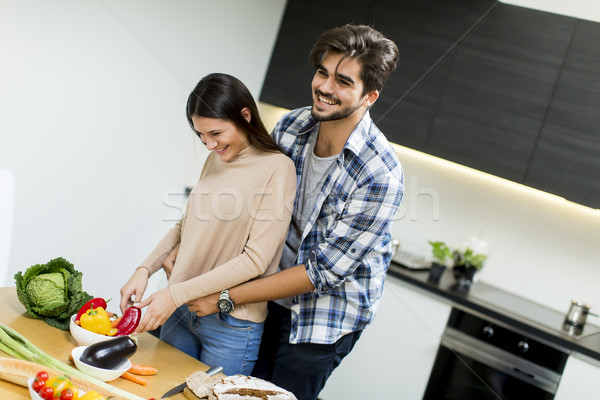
(173, 365)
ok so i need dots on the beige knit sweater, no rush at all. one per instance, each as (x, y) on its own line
(233, 230)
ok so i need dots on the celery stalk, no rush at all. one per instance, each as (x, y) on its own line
(13, 341)
(4, 348)
(8, 340)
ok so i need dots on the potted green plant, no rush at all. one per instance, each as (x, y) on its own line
(468, 260)
(442, 256)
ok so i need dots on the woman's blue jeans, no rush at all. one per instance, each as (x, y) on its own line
(216, 339)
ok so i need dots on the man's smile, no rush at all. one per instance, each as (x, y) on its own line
(326, 99)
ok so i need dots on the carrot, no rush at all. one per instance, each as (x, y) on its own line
(115, 322)
(134, 378)
(77, 322)
(144, 370)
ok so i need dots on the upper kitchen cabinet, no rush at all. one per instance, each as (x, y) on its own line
(424, 31)
(507, 90)
(497, 93)
(567, 158)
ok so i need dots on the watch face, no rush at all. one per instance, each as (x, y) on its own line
(225, 306)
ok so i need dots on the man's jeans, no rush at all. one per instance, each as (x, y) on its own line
(301, 368)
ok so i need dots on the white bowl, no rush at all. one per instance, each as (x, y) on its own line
(83, 337)
(99, 373)
(35, 396)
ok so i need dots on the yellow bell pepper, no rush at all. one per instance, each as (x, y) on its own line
(60, 383)
(92, 395)
(96, 320)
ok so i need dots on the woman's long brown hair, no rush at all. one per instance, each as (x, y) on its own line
(224, 96)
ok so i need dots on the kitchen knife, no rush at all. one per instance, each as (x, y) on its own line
(179, 388)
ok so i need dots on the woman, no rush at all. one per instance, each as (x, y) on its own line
(233, 230)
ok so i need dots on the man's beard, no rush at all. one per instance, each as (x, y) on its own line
(337, 115)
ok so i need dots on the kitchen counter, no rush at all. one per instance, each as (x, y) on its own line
(529, 317)
(173, 365)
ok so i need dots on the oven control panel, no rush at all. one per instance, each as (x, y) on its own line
(508, 340)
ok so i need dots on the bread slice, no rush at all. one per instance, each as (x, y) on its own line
(201, 384)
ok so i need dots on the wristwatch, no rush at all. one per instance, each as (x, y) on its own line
(225, 304)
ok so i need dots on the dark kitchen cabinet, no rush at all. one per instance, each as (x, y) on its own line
(507, 90)
(502, 80)
(425, 32)
(567, 158)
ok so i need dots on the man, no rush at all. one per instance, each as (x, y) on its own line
(337, 251)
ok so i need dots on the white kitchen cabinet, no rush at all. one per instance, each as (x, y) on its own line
(394, 356)
(580, 379)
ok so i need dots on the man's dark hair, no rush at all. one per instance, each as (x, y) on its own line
(377, 54)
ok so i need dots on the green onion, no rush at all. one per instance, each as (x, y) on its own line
(10, 352)
(17, 346)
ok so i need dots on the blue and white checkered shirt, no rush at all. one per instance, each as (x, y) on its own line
(345, 245)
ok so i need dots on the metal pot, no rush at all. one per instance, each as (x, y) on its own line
(576, 317)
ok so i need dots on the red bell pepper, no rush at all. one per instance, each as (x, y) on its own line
(130, 320)
(96, 302)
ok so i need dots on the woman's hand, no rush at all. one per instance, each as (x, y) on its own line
(204, 305)
(134, 289)
(160, 307)
(169, 262)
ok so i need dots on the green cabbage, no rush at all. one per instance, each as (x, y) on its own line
(52, 291)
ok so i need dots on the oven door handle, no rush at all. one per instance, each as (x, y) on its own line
(468, 346)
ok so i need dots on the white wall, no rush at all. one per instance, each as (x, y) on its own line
(7, 193)
(542, 247)
(583, 9)
(93, 121)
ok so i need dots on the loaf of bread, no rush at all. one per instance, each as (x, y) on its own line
(235, 387)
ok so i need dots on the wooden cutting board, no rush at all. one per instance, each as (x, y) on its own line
(190, 395)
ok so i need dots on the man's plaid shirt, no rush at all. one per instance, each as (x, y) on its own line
(345, 245)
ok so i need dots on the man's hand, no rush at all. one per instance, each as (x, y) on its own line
(160, 307)
(204, 305)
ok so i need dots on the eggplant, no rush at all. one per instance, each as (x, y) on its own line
(109, 353)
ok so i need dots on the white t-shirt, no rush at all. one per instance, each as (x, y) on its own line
(313, 177)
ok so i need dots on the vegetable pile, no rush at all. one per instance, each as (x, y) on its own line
(94, 317)
(52, 291)
(61, 388)
(56, 387)
(17, 346)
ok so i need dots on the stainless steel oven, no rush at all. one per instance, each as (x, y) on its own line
(480, 359)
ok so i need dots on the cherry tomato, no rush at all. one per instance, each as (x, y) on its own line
(46, 393)
(38, 384)
(42, 376)
(67, 394)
